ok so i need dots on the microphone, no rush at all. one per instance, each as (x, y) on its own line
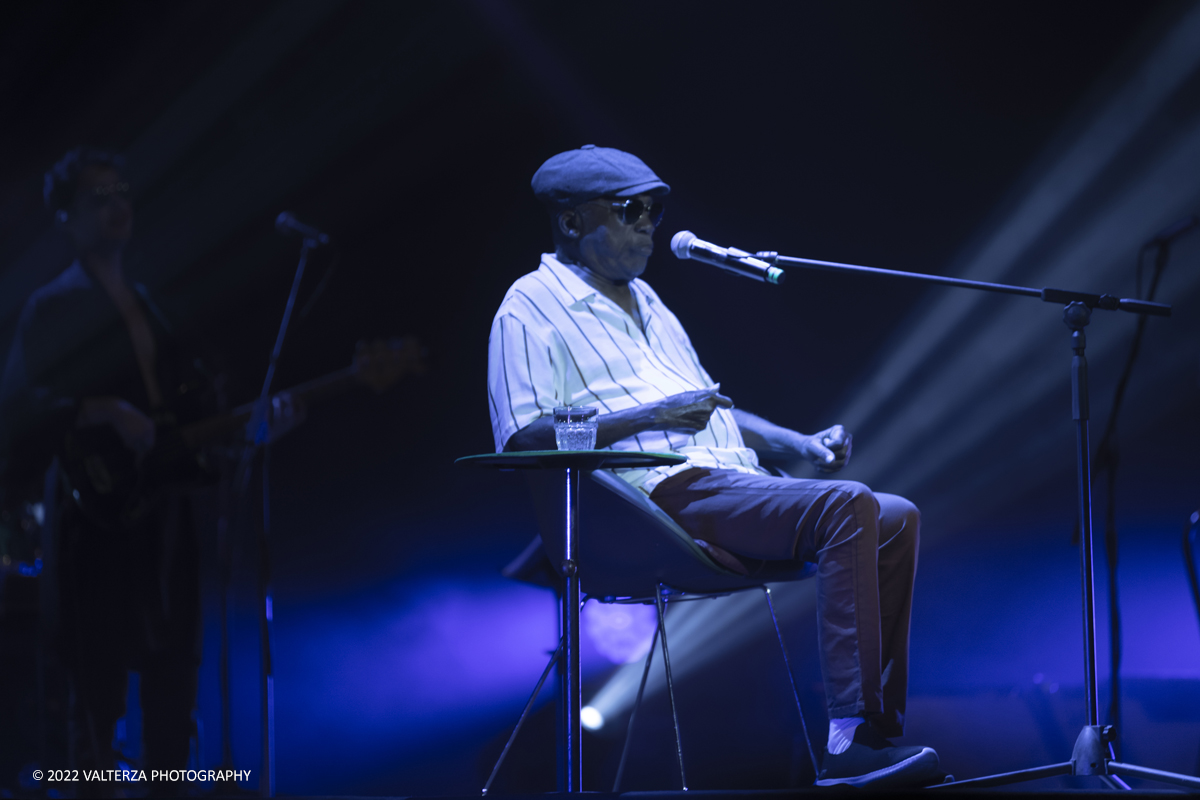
(286, 224)
(1175, 230)
(685, 245)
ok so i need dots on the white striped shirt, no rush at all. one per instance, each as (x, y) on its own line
(557, 341)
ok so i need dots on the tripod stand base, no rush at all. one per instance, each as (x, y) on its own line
(1091, 756)
(1133, 771)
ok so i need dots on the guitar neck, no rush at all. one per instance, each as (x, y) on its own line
(310, 393)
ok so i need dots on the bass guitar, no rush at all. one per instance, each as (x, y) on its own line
(113, 487)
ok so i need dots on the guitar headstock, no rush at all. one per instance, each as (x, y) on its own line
(381, 363)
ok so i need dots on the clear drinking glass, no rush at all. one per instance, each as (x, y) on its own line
(575, 427)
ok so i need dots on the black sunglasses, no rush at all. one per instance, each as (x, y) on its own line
(631, 210)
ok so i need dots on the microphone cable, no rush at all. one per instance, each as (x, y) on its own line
(1107, 458)
(322, 284)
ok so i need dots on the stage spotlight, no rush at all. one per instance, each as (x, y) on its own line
(591, 719)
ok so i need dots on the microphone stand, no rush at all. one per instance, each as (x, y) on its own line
(260, 428)
(1093, 754)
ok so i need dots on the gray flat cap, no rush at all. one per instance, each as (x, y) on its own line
(573, 177)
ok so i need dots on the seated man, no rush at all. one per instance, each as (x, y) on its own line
(584, 330)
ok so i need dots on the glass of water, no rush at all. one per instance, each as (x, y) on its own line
(575, 427)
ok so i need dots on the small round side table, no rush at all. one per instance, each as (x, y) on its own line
(573, 463)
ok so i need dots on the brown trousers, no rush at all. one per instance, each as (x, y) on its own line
(865, 547)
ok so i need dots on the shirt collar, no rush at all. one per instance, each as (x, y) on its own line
(578, 289)
(77, 276)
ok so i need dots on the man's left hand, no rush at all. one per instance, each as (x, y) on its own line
(828, 450)
(287, 412)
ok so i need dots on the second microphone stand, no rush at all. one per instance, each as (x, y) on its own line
(259, 437)
(1093, 753)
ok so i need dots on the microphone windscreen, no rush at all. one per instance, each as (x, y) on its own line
(680, 242)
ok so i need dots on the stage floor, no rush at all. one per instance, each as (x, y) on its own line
(771, 794)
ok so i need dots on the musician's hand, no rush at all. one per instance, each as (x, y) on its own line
(828, 450)
(135, 428)
(688, 411)
(382, 362)
(287, 411)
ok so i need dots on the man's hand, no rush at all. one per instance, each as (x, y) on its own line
(688, 412)
(828, 450)
(287, 412)
(135, 428)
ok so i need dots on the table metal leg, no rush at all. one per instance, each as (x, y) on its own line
(570, 617)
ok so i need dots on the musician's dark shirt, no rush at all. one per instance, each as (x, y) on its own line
(72, 343)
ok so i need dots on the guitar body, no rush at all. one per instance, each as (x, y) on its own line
(112, 488)
(102, 474)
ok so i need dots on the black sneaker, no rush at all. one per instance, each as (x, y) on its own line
(872, 760)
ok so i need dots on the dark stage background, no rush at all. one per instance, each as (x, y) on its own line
(1032, 143)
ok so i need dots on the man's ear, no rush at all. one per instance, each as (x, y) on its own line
(568, 223)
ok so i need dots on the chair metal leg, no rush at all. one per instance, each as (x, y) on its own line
(633, 714)
(812, 756)
(662, 629)
(512, 738)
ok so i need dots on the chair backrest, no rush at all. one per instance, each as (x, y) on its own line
(628, 545)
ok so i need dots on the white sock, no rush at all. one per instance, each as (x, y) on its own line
(841, 734)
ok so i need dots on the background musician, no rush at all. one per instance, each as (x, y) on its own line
(95, 360)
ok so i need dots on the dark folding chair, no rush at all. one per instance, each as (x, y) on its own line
(630, 551)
